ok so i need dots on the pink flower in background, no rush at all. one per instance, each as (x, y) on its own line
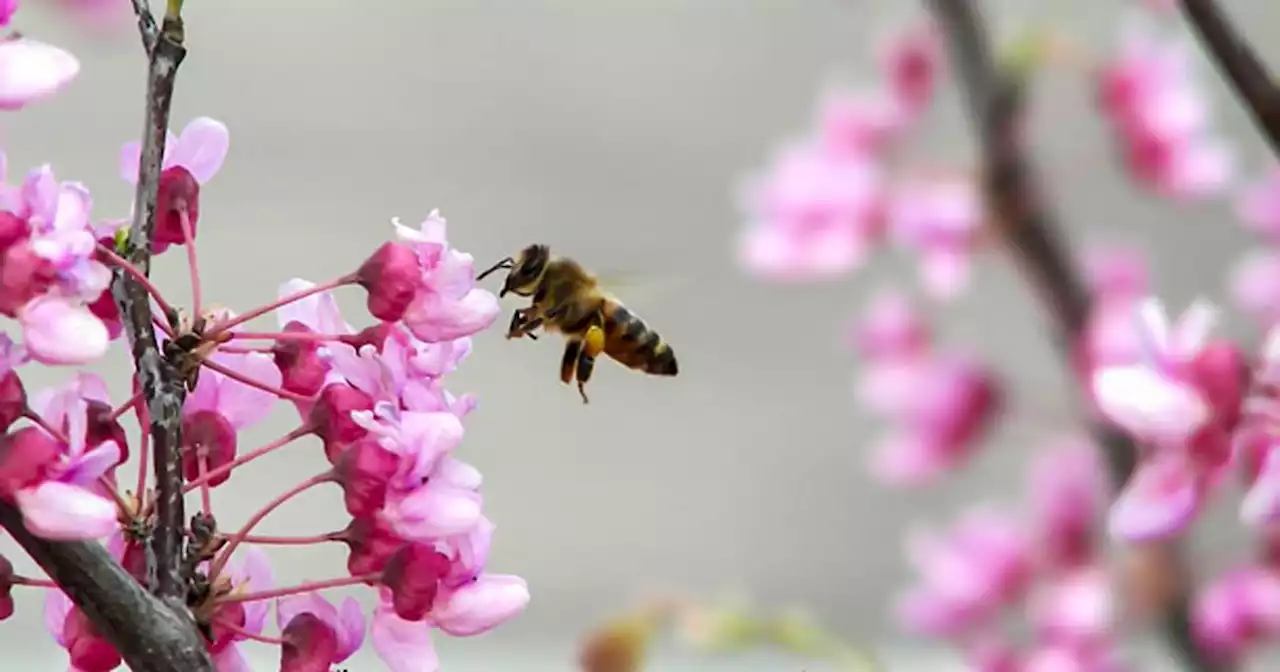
(89, 651)
(1161, 117)
(966, 576)
(1075, 609)
(815, 214)
(911, 62)
(1258, 205)
(855, 124)
(1068, 497)
(891, 329)
(1237, 610)
(32, 71)
(1255, 286)
(940, 220)
(7, 9)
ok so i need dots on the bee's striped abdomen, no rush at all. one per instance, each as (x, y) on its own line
(633, 344)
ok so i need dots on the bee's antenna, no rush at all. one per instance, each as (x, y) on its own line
(505, 263)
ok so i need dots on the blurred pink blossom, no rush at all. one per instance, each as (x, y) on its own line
(7, 9)
(1255, 286)
(32, 71)
(941, 220)
(1161, 117)
(1237, 610)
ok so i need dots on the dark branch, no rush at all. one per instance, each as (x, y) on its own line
(146, 24)
(1028, 228)
(1239, 63)
(150, 637)
(160, 384)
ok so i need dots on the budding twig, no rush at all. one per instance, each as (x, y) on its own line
(1032, 236)
(1237, 60)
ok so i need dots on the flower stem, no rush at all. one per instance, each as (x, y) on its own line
(188, 232)
(240, 349)
(264, 639)
(141, 278)
(234, 540)
(126, 407)
(285, 440)
(40, 422)
(292, 541)
(236, 376)
(304, 336)
(144, 445)
(279, 303)
(34, 583)
(202, 467)
(309, 587)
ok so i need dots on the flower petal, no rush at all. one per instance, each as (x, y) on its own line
(31, 71)
(244, 405)
(1149, 405)
(57, 332)
(1160, 500)
(201, 148)
(405, 646)
(65, 512)
(480, 606)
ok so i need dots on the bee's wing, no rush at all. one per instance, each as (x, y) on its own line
(640, 289)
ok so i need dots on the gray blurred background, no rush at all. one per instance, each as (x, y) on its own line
(615, 132)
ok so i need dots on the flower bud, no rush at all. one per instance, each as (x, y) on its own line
(370, 544)
(24, 275)
(413, 574)
(25, 458)
(210, 435)
(331, 416)
(90, 652)
(179, 192)
(363, 472)
(391, 275)
(309, 644)
(103, 427)
(301, 369)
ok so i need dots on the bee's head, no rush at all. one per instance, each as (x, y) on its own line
(525, 270)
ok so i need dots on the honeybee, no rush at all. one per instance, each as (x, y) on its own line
(568, 299)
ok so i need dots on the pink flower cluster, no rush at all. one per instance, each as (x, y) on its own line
(30, 70)
(830, 199)
(1048, 568)
(373, 395)
(940, 404)
(1160, 114)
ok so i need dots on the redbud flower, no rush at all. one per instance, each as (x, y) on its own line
(1255, 286)
(447, 305)
(856, 123)
(967, 575)
(891, 329)
(391, 275)
(1077, 608)
(190, 160)
(1162, 119)
(7, 9)
(1237, 610)
(250, 572)
(1155, 399)
(940, 220)
(815, 214)
(1068, 495)
(911, 62)
(71, 629)
(32, 71)
(220, 407)
(1258, 205)
(316, 633)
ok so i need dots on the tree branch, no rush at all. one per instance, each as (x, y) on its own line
(146, 24)
(150, 637)
(1239, 64)
(159, 382)
(1032, 235)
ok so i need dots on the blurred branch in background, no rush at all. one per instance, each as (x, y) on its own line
(1032, 235)
(724, 627)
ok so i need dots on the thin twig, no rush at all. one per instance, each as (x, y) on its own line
(1032, 235)
(1239, 63)
(146, 24)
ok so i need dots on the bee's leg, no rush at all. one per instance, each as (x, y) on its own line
(570, 360)
(592, 346)
(519, 327)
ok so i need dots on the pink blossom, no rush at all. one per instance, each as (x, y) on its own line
(1161, 498)
(88, 650)
(1156, 400)
(190, 160)
(32, 71)
(1260, 507)
(447, 305)
(1161, 117)
(7, 9)
(940, 220)
(220, 407)
(892, 328)
(911, 61)
(403, 645)
(1068, 495)
(1075, 608)
(316, 633)
(815, 214)
(1258, 205)
(250, 572)
(856, 123)
(1255, 286)
(1117, 273)
(967, 575)
(1237, 610)
(940, 408)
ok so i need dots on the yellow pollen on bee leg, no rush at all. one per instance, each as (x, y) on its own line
(593, 341)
